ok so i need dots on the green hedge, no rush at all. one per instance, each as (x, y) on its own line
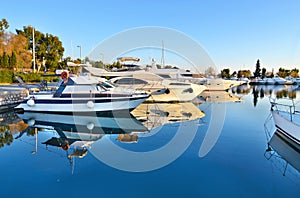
(37, 77)
(30, 77)
(6, 76)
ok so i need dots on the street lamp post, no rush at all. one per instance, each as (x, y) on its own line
(80, 52)
(33, 49)
(102, 59)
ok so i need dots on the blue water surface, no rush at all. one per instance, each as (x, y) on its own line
(236, 166)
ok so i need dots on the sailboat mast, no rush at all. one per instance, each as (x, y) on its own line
(163, 55)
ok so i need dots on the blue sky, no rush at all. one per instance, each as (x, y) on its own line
(234, 33)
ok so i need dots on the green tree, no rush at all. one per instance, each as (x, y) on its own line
(3, 26)
(257, 69)
(225, 73)
(244, 73)
(263, 72)
(5, 60)
(294, 73)
(283, 73)
(233, 74)
(13, 60)
(54, 51)
(48, 47)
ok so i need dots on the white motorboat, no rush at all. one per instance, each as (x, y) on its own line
(279, 81)
(270, 81)
(212, 84)
(287, 121)
(219, 84)
(161, 90)
(177, 75)
(258, 81)
(81, 94)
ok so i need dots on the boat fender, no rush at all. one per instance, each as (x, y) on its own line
(64, 75)
(90, 126)
(31, 102)
(65, 146)
(167, 91)
(90, 104)
(31, 122)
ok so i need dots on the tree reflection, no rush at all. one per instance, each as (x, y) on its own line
(6, 137)
(255, 96)
(273, 91)
(286, 94)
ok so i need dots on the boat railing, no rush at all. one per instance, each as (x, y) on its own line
(284, 108)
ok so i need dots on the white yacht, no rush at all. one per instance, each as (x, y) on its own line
(279, 81)
(177, 75)
(212, 84)
(161, 90)
(220, 84)
(81, 94)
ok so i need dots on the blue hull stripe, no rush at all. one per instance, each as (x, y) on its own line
(80, 101)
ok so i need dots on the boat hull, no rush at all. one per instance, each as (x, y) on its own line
(49, 104)
(178, 93)
(290, 129)
(221, 84)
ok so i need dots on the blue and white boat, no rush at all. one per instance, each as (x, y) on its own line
(80, 94)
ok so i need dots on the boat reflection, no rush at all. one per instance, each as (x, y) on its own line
(219, 96)
(153, 115)
(75, 134)
(82, 130)
(284, 152)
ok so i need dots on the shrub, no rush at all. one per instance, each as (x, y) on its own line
(6, 76)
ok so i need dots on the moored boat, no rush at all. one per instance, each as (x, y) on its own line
(161, 90)
(287, 121)
(81, 94)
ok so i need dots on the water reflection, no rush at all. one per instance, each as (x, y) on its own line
(81, 130)
(153, 115)
(219, 96)
(261, 91)
(10, 124)
(284, 154)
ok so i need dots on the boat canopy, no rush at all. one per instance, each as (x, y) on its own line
(123, 59)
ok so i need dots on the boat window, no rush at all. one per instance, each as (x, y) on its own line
(106, 85)
(187, 75)
(164, 76)
(178, 83)
(130, 81)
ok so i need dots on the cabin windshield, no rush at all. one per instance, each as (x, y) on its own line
(130, 81)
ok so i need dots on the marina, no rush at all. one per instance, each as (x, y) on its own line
(195, 99)
(73, 148)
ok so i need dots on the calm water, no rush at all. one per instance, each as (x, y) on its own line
(163, 162)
